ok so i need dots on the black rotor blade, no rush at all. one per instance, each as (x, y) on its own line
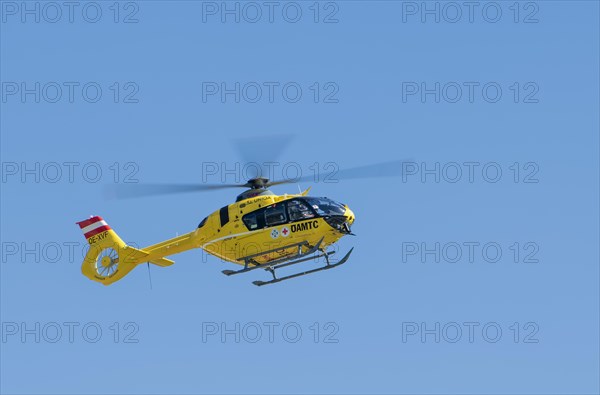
(124, 191)
(377, 170)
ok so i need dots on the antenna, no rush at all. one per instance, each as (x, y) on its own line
(149, 276)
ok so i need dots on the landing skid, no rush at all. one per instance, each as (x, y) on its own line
(301, 256)
(325, 267)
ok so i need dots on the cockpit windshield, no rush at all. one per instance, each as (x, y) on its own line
(325, 206)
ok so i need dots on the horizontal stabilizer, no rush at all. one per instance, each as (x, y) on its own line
(162, 262)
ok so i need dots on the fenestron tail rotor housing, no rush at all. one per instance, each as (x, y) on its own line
(107, 262)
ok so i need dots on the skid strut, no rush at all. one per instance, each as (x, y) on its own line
(249, 260)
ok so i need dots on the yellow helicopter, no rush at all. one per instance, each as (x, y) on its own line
(261, 230)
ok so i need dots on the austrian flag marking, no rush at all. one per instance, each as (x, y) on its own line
(93, 226)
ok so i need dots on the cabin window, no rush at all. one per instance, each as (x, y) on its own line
(267, 216)
(250, 221)
(275, 215)
(325, 206)
(298, 210)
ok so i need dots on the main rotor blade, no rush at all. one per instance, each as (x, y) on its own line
(125, 191)
(377, 170)
(261, 150)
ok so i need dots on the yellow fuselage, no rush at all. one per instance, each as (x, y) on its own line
(232, 240)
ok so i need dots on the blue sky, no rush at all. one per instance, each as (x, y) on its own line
(496, 105)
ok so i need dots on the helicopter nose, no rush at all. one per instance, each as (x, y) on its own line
(349, 216)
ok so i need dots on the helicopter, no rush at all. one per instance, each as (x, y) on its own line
(260, 230)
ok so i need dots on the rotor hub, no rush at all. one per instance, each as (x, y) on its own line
(257, 183)
(106, 261)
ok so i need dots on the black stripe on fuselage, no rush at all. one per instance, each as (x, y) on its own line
(224, 214)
